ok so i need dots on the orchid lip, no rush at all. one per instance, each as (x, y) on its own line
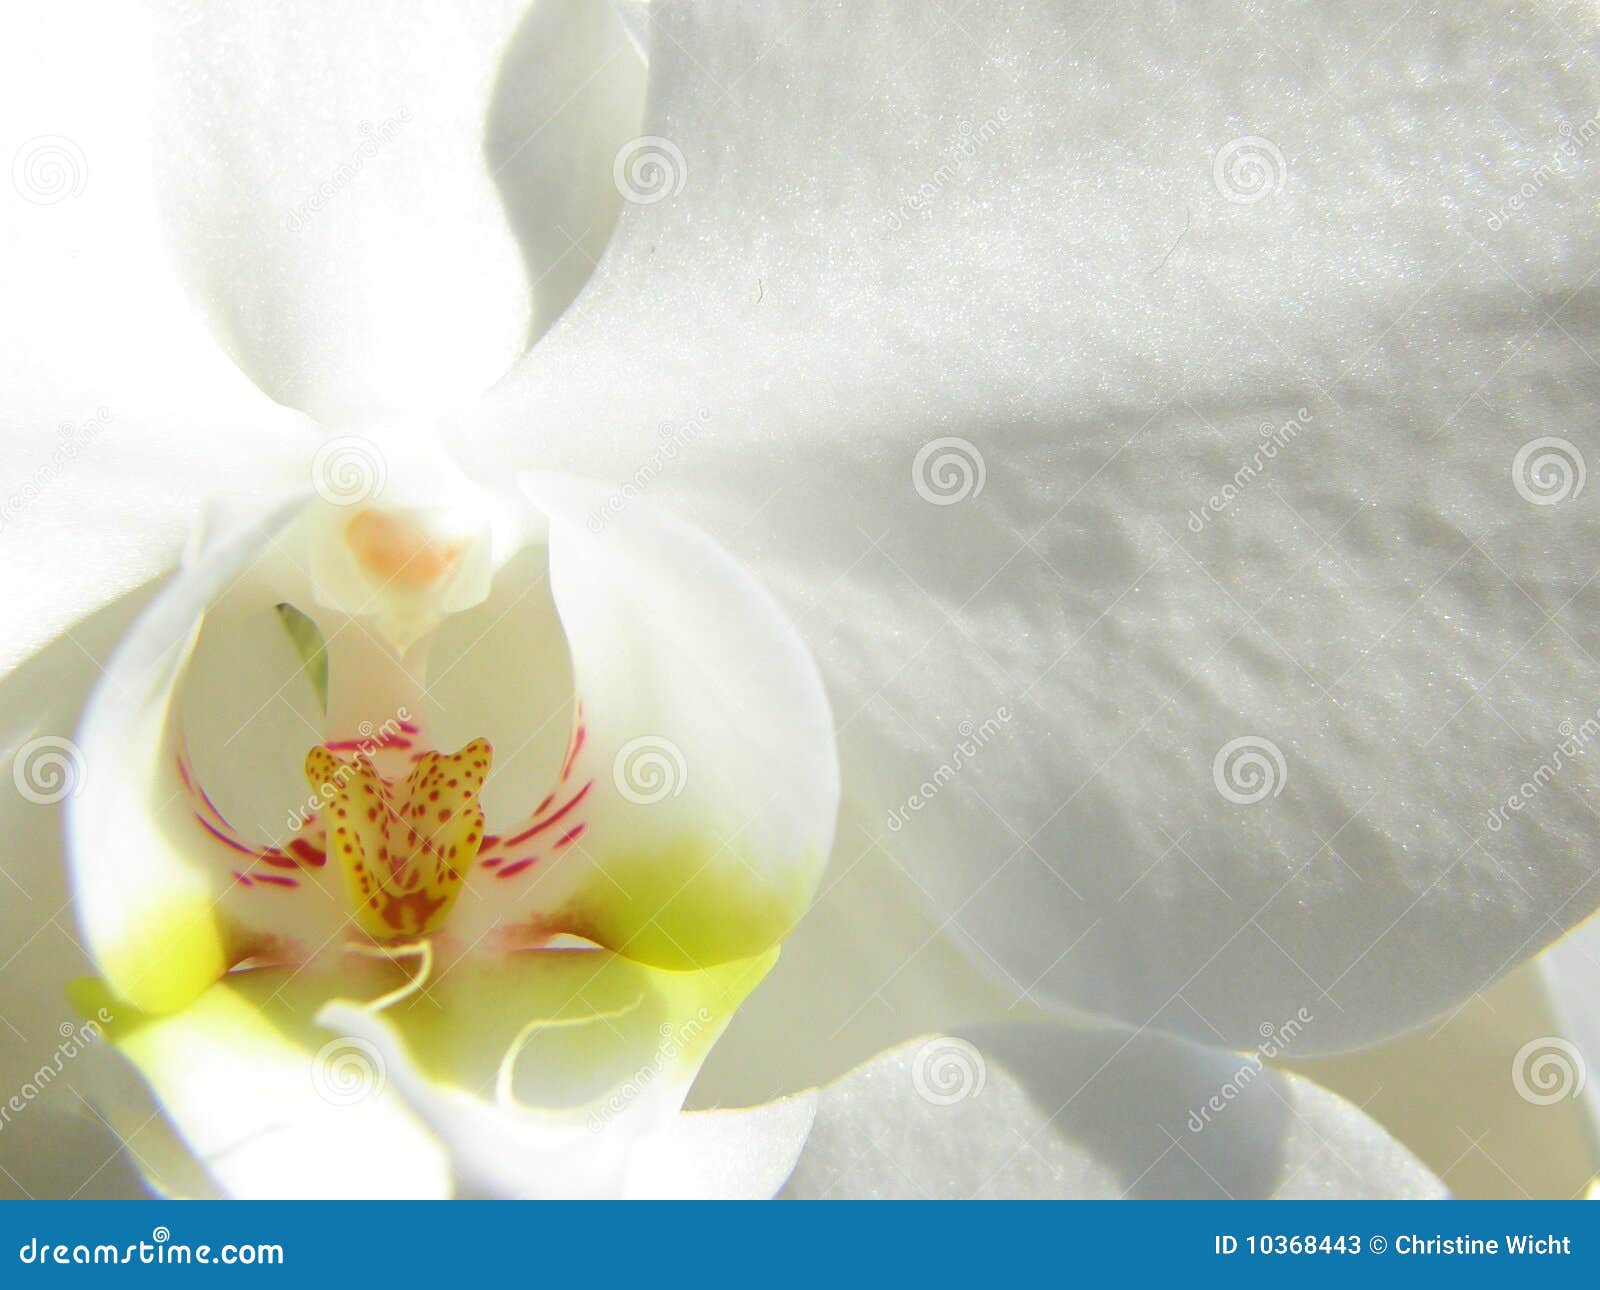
(678, 813)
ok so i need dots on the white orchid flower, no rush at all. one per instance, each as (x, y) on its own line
(1103, 487)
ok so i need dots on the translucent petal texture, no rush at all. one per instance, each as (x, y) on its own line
(120, 416)
(696, 807)
(144, 869)
(541, 1071)
(268, 1104)
(1024, 1111)
(379, 211)
(963, 393)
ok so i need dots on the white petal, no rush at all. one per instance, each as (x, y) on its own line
(119, 415)
(1572, 977)
(1025, 235)
(271, 1107)
(1055, 1111)
(380, 210)
(1492, 1096)
(44, 767)
(692, 818)
(148, 879)
(868, 967)
(745, 1154)
(543, 1071)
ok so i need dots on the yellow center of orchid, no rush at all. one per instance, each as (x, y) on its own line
(403, 845)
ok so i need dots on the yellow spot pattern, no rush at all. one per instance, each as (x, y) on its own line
(403, 845)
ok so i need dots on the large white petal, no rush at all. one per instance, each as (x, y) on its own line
(1034, 231)
(119, 416)
(543, 1072)
(1055, 1111)
(269, 1106)
(380, 209)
